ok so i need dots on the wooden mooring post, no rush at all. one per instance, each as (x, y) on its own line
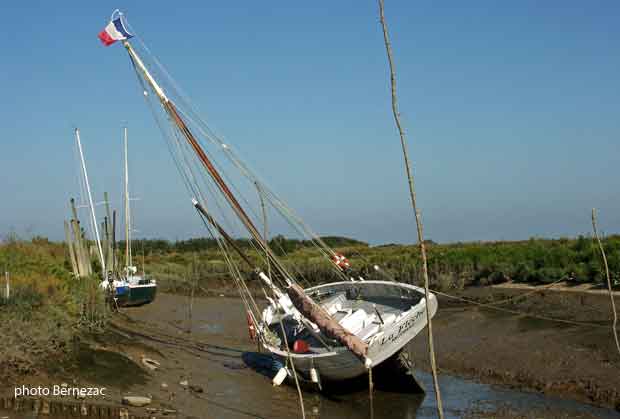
(7, 294)
(71, 247)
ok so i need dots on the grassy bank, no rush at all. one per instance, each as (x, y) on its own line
(47, 310)
(451, 266)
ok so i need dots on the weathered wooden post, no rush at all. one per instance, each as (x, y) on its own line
(83, 261)
(88, 250)
(74, 265)
(105, 241)
(109, 234)
(114, 241)
(414, 206)
(8, 285)
(77, 246)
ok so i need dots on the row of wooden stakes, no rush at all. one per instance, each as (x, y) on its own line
(80, 247)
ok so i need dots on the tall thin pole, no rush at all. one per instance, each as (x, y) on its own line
(90, 201)
(266, 238)
(418, 218)
(108, 233)
(114, 263)
(105, 240)
(265, 226)
(263, 211)
(8, 285)
(609, 287)
(127, 214)
(288, 351)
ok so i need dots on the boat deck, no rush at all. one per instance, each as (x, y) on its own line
(362, 315)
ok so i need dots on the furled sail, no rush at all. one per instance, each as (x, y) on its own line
(325, 322)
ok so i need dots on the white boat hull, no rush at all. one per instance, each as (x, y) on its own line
(340, 363)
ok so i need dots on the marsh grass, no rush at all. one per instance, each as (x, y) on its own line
(47, 309)
(451, 266)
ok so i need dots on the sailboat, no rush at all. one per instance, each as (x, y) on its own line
(117, 288)
(129, 288)
(93, 217)
(334, 331)
(139, 289)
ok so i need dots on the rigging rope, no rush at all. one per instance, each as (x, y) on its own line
(191, 157)
(506, 310)
(189, 111)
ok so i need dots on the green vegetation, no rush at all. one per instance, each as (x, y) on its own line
(278, 243)
(451, 266)
(47, 309)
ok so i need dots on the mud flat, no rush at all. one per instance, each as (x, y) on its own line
(556, 358)
(216, 371)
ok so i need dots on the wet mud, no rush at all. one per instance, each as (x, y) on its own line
(210, 369)
(566, 359)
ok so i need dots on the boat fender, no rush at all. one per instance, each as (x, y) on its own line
(301, 346)
(280, 376)
(251, 328)
(314, 375)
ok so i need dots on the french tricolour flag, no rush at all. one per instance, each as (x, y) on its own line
(115, 31)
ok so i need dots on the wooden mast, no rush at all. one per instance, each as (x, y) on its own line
(174, 115)
(300, 300)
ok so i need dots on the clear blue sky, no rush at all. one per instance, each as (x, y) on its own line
(512, 111)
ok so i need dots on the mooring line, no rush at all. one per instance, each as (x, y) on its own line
(506, 310)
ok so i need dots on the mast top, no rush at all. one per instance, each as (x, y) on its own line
(116, 30)
(135, 58)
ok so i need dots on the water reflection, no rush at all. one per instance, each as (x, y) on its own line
(460, 397)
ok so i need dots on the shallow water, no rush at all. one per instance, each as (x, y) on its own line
(462, 396)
